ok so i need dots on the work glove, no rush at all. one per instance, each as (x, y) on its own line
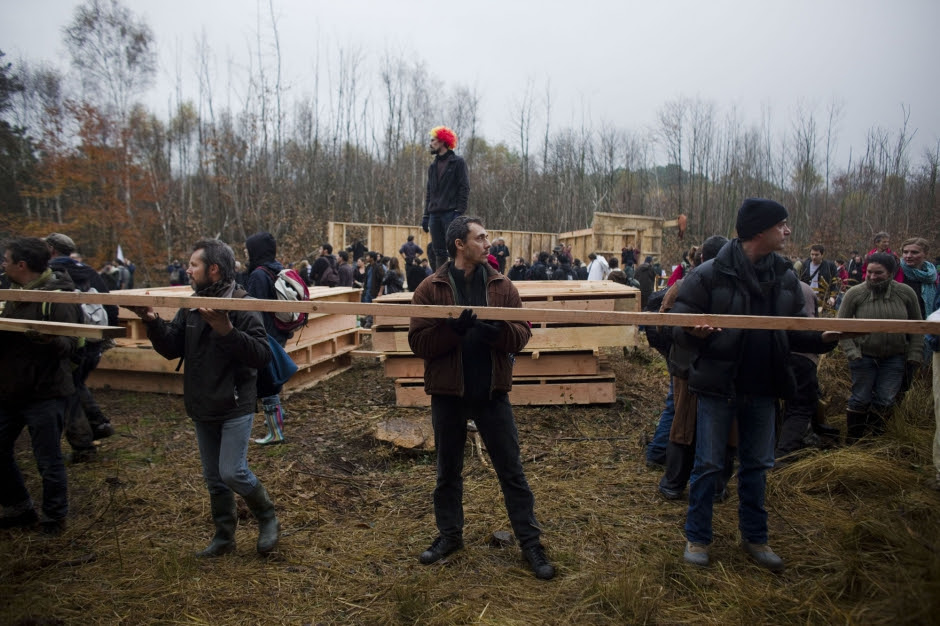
(463, 323)
(424, 222)
(488, 331)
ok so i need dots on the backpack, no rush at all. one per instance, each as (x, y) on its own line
(290, 287)
(94, 314)
(659, 337)
(329, 277)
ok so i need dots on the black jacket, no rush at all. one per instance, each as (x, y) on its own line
(452, 191)
(260, 284)
(220, 377)
(739, 361)
(84, 278)
(38, 369)
(827, 271)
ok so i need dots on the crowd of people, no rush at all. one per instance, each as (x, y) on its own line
(726, 384)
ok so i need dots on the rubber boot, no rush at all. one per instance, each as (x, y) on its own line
(274, 421)
(269, 529)
(225, 519)
(855, 422)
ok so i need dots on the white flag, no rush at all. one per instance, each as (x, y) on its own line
(120, 254)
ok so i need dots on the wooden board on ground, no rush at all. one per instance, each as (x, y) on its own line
(528, 391)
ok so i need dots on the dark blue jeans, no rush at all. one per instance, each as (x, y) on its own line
(497, 427)
(875, 382)
(656, 449)
(437, 224)
(44, 419)
(756, 453)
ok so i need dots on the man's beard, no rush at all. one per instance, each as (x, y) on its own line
(878, 287)
(432, 150)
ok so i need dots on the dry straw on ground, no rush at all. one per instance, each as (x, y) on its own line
(857, 526)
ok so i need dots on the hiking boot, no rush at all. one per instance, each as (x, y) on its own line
(441, 547)
(26, 519)
(763, 556)
(669, 494)
(82, 455)
(103, 431)
(540, 564)
(696, 553)
(52, 527)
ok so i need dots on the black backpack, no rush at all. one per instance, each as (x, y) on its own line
(659, 337)
(329, 277)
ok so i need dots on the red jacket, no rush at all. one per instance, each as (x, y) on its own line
(434, 341)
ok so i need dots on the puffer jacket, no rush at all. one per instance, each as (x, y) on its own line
(718, 287)
(39, 369)
(434, 341)
(899, 302)
(220, 377)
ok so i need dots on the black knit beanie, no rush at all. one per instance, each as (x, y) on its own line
(757, 215)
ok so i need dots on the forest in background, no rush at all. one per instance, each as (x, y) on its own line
(80, 153)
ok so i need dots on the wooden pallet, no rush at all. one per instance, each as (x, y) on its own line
(551, 338)
(541, 364)
(560, 390)
(135, 366)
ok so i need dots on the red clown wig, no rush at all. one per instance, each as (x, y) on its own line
(445, 135)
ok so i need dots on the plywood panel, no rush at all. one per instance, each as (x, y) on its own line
(546, 364)
(551, 338)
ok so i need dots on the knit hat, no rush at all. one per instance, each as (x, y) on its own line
(757, 215)
(61, 243)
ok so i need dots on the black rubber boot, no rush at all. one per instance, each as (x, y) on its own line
(855, 422)
(225, 518)
(269, 529)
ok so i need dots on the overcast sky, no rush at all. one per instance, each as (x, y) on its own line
(613, 61)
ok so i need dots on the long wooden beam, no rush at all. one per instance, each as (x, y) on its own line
(493, 313)
(61, 328)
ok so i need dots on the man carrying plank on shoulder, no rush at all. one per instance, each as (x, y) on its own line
(468, 374)
(35, 385)
(740, 373)
(223, 352)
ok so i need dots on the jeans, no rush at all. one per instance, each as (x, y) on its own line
(801, 408)
(497, 427)
(936, 411)
(656, 449)
(756, 453)
(875, 382)
(437, 224)
(223, 449)
(44, 419)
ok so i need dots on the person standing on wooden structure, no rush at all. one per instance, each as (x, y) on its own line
(740, 373)
(35, 386)
(223, 352)
(468, 374)
(263, 268)
(447, 194)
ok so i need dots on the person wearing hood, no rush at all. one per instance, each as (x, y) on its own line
(223, 351)
(35, 385)
(740, 374)
(263, 269)
(84, 421)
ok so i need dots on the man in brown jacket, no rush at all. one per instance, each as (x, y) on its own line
(468, 374)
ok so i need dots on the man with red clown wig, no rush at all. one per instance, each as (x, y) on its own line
(447, 192)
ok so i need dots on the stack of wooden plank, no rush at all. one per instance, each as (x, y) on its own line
(561, 363)
(320, 349)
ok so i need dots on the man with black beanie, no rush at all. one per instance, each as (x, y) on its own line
(468, 374)
(738, 373)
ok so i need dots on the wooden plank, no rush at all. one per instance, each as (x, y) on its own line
(550, 338)
(601, 390)
(527, 364)
(61, 329)
(495, 313)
